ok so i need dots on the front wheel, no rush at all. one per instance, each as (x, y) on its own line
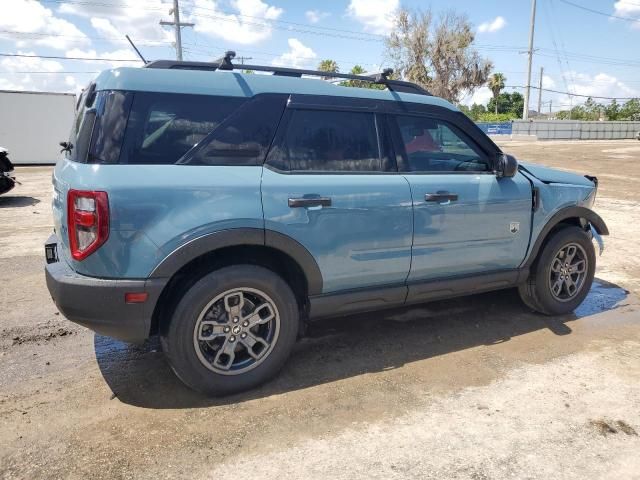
(562, 275)
(232, 330)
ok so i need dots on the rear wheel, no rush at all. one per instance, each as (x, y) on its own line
(562, 275)
(232, 330)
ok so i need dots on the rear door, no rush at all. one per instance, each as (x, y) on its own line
(330, 184)
(466, 219)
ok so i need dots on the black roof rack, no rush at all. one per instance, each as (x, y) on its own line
(224, 63)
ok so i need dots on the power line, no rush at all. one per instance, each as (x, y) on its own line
(57, 57)
(147, 42)
(574, 94)
(598, 12)
(62, 72)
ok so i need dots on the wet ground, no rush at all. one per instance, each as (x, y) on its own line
(468, 388)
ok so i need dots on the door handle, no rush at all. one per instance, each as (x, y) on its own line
(304, 202)
(441, 196)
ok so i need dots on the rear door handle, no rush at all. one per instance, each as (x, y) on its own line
(303, 202)
(441, 196)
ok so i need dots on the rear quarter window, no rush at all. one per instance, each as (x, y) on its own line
(162, 127)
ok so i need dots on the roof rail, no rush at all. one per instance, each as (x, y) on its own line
(225, 63)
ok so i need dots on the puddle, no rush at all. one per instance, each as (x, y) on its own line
(109, 350)
(602, 297)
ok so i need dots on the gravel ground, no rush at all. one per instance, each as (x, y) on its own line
(476, 388)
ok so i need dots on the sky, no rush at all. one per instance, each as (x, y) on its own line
(586, 47)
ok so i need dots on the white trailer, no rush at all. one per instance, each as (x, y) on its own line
(32, 124)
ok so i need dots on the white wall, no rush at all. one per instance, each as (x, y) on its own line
(32, 124)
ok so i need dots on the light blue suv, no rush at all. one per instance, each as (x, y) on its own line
(222, 210)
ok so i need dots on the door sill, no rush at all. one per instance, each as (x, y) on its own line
(392, 296)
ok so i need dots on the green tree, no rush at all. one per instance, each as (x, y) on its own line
(477, 110)
(507, 103)
(630, 110)
(494, 117)
(437, 54)
(496, 84)
(474, 112)
(359, 70)
(612, 111)
(328, 65)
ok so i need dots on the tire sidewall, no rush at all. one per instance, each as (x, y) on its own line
(543, 269)
(178, 339)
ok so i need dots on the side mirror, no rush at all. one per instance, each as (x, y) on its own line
(506, 165)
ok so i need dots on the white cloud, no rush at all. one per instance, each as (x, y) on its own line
(112, 19)
(38, 26)
(548, 82)
(298, 56)
(628, 8)
(599, 85)
(106, 28)
(16, 74)
(251, 24)
(314, 16)
(375, 15)
(494, 25)
(481, 96)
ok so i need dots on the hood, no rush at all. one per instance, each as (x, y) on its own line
(552, 175)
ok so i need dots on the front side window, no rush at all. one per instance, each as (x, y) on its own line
(328, 141)
(162, 127)
(432, 145)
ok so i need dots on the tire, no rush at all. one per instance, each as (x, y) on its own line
(541, 292)
(203, 344)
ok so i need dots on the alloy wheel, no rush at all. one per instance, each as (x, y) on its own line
(568, 272)
(236, 331)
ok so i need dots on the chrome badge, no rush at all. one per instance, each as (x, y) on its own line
(514, 227)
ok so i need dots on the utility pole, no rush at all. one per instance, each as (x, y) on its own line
(242, 59)
(176, 23)
(540, 91)
(527, 92)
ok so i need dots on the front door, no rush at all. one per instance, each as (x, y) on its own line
(466, 219)
(328, 184)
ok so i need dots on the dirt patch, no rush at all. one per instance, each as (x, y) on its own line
(45, 333)
(610, 427)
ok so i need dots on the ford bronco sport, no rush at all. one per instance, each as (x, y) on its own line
(221, 211)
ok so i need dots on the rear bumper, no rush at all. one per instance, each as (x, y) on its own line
(99, 304)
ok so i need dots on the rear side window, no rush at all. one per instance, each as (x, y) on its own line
(433, 145)
(163, 127)
(326, 141)
(245, 137)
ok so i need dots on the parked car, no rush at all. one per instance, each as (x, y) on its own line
(7, 179)
(222, 211)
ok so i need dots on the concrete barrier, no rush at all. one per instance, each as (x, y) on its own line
(576, 130)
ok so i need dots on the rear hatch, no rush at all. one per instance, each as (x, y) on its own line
(87, 140)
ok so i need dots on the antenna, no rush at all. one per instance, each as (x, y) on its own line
(137, 51)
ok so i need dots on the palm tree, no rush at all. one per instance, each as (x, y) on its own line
(496, 84)
(328, 66)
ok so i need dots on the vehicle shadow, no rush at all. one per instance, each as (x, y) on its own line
(345, 347)
(11, 201)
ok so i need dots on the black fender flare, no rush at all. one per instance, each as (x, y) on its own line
(563, 214)
(241, 237)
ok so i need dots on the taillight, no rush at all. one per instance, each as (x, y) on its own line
(88, 221)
